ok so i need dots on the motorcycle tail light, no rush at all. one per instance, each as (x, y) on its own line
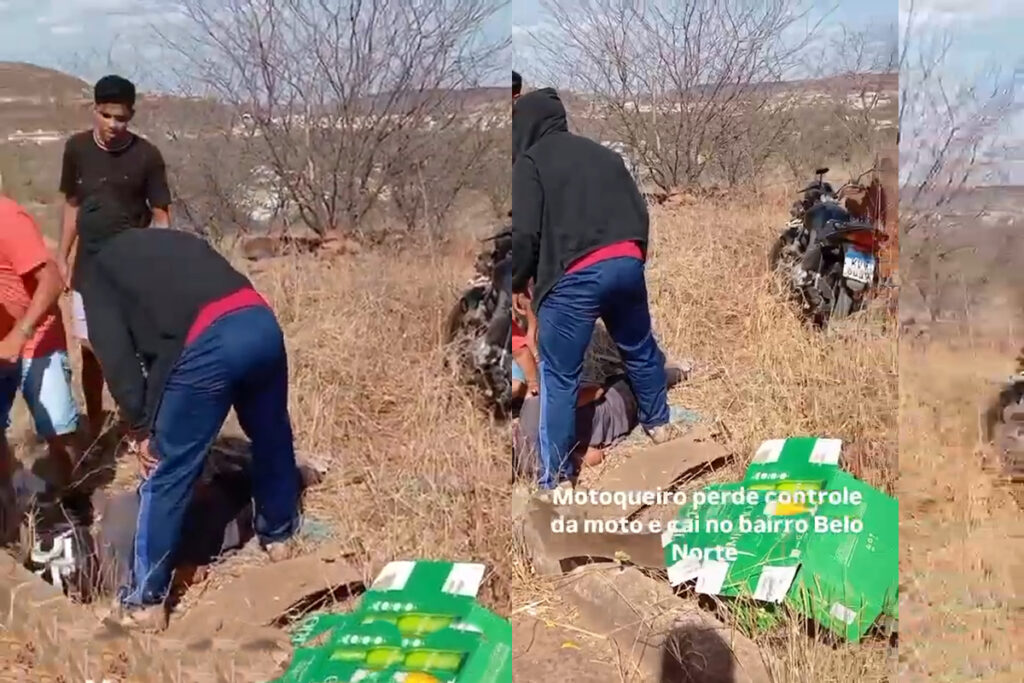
(864, 239)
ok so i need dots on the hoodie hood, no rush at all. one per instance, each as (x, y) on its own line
(535, 115)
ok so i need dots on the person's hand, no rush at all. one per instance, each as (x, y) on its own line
(147, 459)
(521, 304)
(533, 387)
(11, 345)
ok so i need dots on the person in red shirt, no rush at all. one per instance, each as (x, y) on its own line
(33, 348)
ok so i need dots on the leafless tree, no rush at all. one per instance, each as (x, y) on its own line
(945, 126)
(344, 97)
(854, 111)
(689, 85)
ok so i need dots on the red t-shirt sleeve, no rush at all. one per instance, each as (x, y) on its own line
(518, 337)
(23, 243)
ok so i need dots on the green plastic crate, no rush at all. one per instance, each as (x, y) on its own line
(830, 559)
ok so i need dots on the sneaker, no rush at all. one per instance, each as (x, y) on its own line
(662, 433)
(150, 618)
(279, 551)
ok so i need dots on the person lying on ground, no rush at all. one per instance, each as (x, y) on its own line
(209, 342)
(107, 159)
(606, 413)
(218, 521)
(33, 346)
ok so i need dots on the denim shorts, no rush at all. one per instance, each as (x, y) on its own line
(517, 373)
(45, 384)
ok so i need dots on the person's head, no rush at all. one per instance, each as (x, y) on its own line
(517, 84)
(113, 107)
(535, 115)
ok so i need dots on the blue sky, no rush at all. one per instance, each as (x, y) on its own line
(72, 33)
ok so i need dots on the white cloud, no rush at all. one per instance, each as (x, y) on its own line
(137, 12)
(65, 29)
(957, 13)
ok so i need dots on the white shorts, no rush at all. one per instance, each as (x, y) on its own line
(79, 327)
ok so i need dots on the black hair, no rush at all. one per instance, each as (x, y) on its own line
(114, 89)
(517, 83)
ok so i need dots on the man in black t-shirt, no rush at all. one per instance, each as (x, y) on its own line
(110, 161)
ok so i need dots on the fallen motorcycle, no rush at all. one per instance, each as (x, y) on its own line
(478, 327)
(1004, 424)
(827, 258)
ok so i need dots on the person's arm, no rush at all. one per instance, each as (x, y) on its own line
(528, 362)
(158, 191)
(114, 346)
(527, 212)
(69, 217)
(49, 285)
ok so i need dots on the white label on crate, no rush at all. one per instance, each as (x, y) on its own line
(684, 570)
(774, 583)
(842, 613)
(712, 576)
(826, 451)
(769, 451)
(464, 579)
(394, 576)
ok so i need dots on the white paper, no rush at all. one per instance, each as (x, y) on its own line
(774, 583)
(769, 451)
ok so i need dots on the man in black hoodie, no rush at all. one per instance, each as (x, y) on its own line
(580, 229)
(182, 338)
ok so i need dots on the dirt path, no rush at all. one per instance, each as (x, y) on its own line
(546, 651)
(962, 565)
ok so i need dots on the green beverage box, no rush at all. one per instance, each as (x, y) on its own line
(377, 652)
(419, 622)
(795, 537)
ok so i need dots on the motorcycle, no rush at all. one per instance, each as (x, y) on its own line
(1004, 423)
(478, 328)
(828, 258)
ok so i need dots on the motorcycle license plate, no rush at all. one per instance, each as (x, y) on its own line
(859, 266)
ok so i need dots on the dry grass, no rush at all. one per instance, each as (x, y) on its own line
(368, 391)
(962, 552)
(416, 472)
(713, 301)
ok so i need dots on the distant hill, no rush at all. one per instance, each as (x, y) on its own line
(20, 82)
(844, 84)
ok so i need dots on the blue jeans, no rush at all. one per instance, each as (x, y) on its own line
(238, 361)
(615, 291)
(45, 384)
